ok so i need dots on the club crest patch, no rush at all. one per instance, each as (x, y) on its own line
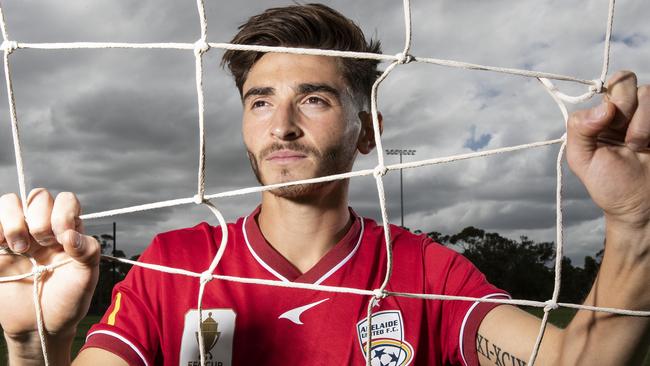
(388, 348)
(218, 326)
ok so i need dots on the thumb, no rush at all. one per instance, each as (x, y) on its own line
(583, 129)
(83, 249)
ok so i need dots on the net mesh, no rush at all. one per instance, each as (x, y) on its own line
(199, 48)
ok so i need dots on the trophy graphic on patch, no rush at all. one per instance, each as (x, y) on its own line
(210, 330)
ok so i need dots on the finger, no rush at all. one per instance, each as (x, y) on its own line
(2, 238)
(84, 249)
(3, 243)
(13, 223)
(622, 91)
(583, 129)
(65, 213)
(39, 210)
(638, 132)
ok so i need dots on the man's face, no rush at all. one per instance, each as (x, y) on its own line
(299, 120)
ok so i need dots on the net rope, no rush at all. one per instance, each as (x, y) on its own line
(200, 48)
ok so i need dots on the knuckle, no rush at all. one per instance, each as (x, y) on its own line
(65, 219)
(91, 251)
(71, 201)
(34, 193)
(576, 117)
(66, 209)
(625, 106)
(627, 73)
(95, 248)
(9, 198)
(644, 91)
(39, 229)
(14, 233)
(68, 196)
(639, 133)
(621, 82)
(624, 75)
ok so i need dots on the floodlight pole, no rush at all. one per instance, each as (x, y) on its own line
(401, 152)
(114, 249)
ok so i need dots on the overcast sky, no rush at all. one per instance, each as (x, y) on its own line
(120, 127)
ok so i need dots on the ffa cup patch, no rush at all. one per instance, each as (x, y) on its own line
(388, 346)
(218, 326)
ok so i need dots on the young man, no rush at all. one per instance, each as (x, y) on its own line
(307, 116)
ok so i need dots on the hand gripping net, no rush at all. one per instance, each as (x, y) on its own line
(199, 48)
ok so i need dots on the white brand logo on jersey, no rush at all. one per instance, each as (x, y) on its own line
(294, 314)
(218, 326)
(388, 346)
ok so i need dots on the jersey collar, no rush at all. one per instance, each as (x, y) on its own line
(281, 268)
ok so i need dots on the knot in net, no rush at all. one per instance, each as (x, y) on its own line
(39, 270)
(404, 58)
(9, 46)
(380, 171)
(598, 86)
(201, 46)
(379, 294)
(550, 305)
(199, 199)
(206, 277)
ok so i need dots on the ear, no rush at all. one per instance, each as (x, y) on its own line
(366, 141)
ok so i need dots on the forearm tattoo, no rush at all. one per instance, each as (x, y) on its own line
(495, 354)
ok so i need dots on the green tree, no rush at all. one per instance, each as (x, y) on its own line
(523, 267)
(110, 273)
(519, 267)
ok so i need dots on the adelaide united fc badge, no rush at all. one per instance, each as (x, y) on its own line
(388, 346)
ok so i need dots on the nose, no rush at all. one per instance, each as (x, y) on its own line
(285, 124)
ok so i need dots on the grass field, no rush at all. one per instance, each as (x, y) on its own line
(560, 317)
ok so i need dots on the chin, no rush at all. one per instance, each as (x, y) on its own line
(298, 192)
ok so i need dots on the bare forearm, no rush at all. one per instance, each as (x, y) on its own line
(617, 179)
(26, 349)
(608, 339)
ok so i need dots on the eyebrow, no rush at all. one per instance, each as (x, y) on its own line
(323, 88)
(304, 88)
(258, 91)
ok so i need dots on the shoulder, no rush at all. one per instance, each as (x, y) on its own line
(202, 232)
(410, 249)
(399, 235)
(195, 246)
(404, 240)
(444, 269)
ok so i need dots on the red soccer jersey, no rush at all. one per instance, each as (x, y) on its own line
(153, 318)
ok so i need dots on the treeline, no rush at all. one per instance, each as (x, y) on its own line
(110, 273)
(524, 268)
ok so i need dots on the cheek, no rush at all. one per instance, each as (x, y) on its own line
(351, 133)
(249, 135)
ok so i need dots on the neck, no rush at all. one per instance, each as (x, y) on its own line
(304, 230)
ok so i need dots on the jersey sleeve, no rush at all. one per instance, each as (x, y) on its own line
(450, 273)
(129, 328)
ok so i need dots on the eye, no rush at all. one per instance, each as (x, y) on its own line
(258, 104)
(315, 100)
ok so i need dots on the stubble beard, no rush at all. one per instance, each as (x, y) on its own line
(335, 160)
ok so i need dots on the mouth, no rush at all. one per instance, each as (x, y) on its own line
(285, 156)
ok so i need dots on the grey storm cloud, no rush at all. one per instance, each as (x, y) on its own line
(120, 127)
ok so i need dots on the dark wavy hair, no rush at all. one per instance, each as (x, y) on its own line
(307, 26)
